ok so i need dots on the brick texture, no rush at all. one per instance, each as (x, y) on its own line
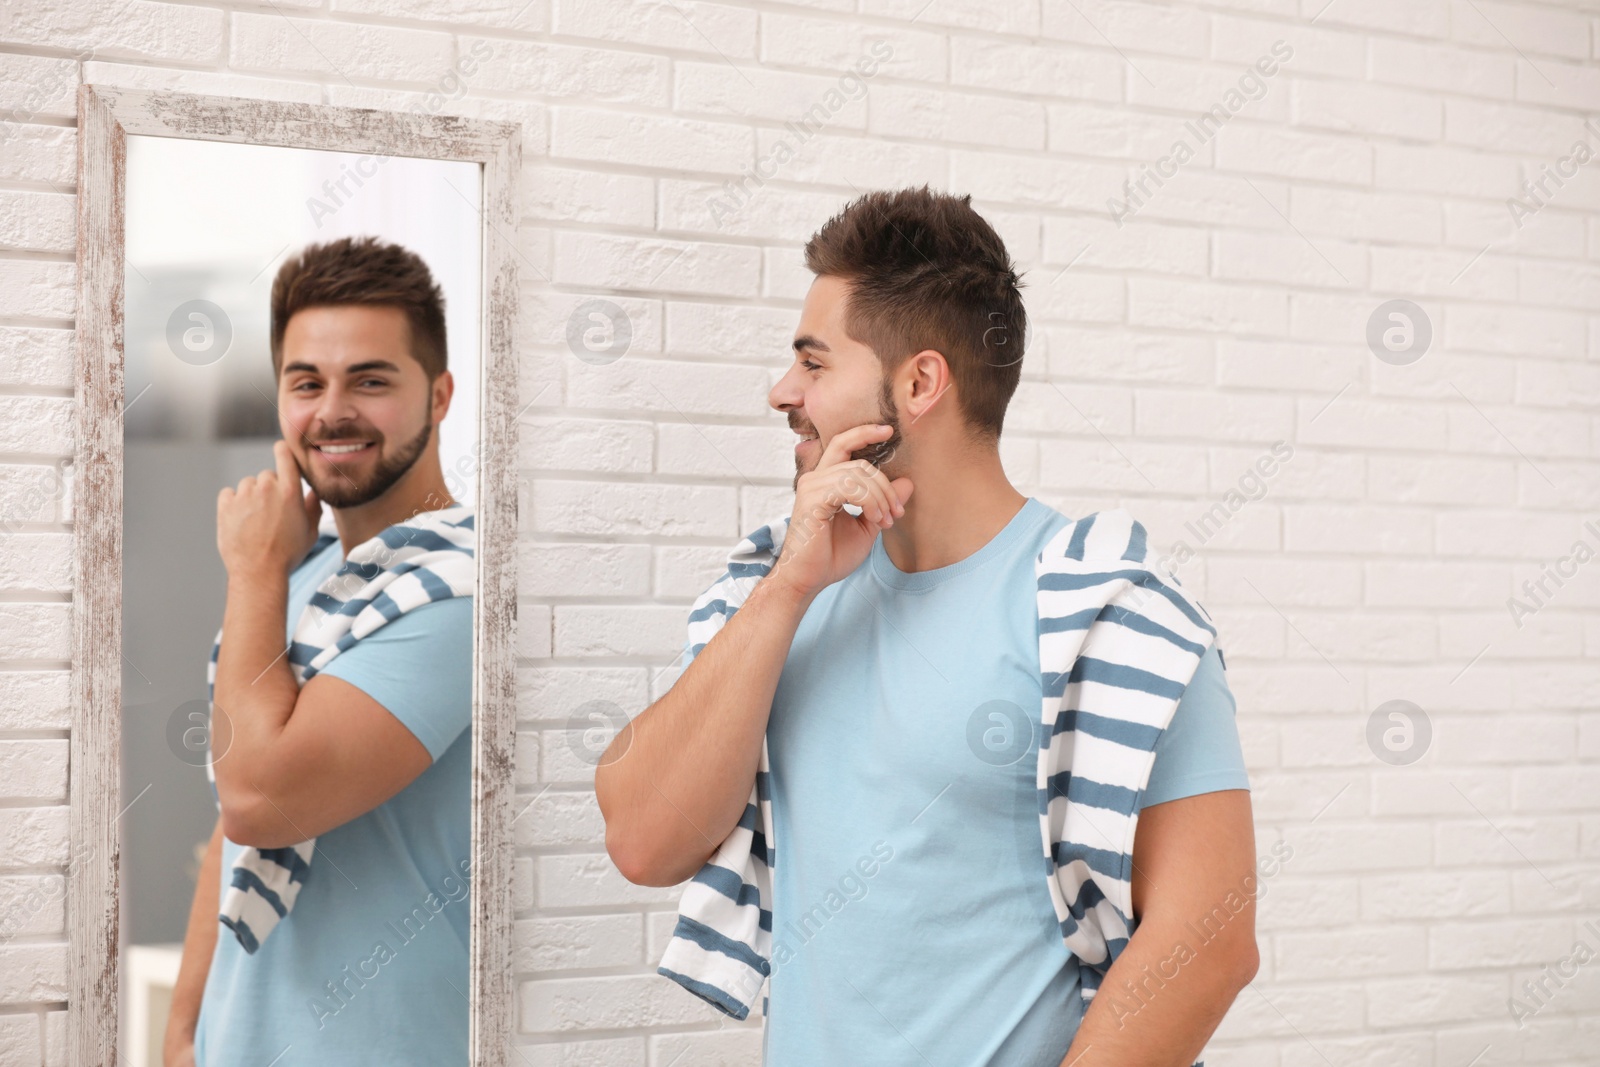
(1198, 293)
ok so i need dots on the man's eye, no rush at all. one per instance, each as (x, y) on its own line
(808, 365)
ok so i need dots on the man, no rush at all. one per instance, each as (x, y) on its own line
(372, 756)
(882, 672)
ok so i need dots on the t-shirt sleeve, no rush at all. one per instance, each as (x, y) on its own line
(1199, 751)
(419, 667)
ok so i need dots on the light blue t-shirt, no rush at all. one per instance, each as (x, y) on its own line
(911, 919)
(371, 964)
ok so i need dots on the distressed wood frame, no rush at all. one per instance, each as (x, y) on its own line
(106, 116)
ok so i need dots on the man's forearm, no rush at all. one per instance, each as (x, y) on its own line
(255, 688)
(675, 782)
(1179, 995)
(199, 942)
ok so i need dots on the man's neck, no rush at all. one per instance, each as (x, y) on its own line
(407, 497)
(956, 507)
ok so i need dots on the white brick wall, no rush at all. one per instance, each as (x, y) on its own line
(1229, 312)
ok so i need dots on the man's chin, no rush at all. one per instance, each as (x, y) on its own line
(343, 494)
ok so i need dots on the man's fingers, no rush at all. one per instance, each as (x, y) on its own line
(864, 485)
(865, 493)
(891, 490)
(883, 492)
(847, 441)
(288, 469)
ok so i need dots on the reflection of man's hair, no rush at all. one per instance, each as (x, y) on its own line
(362, 270)
(924, 270)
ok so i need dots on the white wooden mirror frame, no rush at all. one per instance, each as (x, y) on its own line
(106, 116)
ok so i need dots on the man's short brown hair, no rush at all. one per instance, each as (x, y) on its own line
(925, 270)
(361, 270)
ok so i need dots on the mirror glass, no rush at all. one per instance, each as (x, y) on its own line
(374, 923)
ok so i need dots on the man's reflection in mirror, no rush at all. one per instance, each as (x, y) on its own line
(330, 922)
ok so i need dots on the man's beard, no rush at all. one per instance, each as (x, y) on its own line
(343, 490)
(879, 454)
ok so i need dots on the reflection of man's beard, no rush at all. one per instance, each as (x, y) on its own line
(344, 489)
(878, 453)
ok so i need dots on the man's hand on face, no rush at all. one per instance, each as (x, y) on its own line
(824, 542)
(264, 525)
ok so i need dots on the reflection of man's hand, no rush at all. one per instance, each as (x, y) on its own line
(264, 525)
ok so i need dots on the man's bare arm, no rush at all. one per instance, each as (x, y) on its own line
(295, 762)
(199, 942)
(339, 755)
(674, 782)
(1193, 869)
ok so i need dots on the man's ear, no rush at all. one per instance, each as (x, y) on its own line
(443, 389)
(933, 371)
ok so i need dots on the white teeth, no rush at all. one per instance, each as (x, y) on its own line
(340, 449)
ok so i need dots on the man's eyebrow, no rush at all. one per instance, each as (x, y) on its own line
(354, 368)
(805, 341)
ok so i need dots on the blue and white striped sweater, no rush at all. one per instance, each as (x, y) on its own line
(427, 558)
(1119, 640)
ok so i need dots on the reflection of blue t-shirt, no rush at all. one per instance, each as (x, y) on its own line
(911, 920)
(371, 965)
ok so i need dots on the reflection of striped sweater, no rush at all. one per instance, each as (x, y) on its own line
(1119, 640)
(426, 558)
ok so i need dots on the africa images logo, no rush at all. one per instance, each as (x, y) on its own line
(850, 886)
(342, 988)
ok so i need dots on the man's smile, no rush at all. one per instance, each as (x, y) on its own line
(342, 451)
(806, 437)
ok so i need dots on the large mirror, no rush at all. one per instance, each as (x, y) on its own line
(292, 472)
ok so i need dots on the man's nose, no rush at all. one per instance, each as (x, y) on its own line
(335, 406)
(785, 394)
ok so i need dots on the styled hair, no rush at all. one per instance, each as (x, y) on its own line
(924, 270)
(361, 270)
